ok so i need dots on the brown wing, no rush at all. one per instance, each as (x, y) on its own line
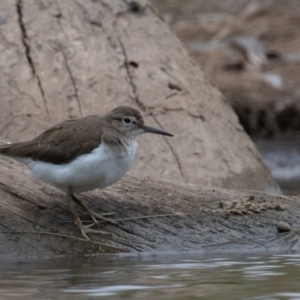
(61, 143)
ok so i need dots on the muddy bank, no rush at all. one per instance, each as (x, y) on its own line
(250, 51)
(152, 216)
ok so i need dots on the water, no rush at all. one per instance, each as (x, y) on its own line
(282, 156)
(166, 277)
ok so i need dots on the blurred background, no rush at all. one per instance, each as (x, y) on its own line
(250, 50)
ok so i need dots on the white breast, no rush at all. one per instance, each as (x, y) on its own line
(97, 169)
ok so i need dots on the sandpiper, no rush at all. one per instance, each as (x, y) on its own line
(84, 154)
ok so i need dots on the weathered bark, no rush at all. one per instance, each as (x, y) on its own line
(193, 218)
(66, 59)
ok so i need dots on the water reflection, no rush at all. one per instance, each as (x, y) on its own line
(166, 277)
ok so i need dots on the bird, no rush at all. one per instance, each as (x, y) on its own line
(84, 154)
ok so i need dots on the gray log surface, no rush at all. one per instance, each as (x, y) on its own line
(185, 217)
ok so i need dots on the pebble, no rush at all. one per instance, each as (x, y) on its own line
(283, 226)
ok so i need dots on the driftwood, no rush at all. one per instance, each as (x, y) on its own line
(153, 216)
(66, 59)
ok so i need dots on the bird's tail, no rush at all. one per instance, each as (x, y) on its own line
(22, 149)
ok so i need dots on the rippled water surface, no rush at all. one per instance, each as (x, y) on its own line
(166, 277)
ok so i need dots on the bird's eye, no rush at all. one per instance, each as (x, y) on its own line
(127, 120)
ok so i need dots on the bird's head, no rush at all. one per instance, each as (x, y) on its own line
(130, 122)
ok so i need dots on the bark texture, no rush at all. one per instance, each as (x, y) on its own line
(67, 59)
(153, 217)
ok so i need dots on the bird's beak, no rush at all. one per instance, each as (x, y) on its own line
(154, 130)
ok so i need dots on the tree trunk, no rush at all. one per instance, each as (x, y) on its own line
(71, 58)
(153, 216)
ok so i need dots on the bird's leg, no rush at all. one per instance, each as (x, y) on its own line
(84, 229)
(92, 214)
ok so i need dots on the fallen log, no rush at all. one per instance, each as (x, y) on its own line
(152, 216)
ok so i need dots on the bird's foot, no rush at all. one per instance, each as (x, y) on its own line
(95, 217)
(84, 229)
